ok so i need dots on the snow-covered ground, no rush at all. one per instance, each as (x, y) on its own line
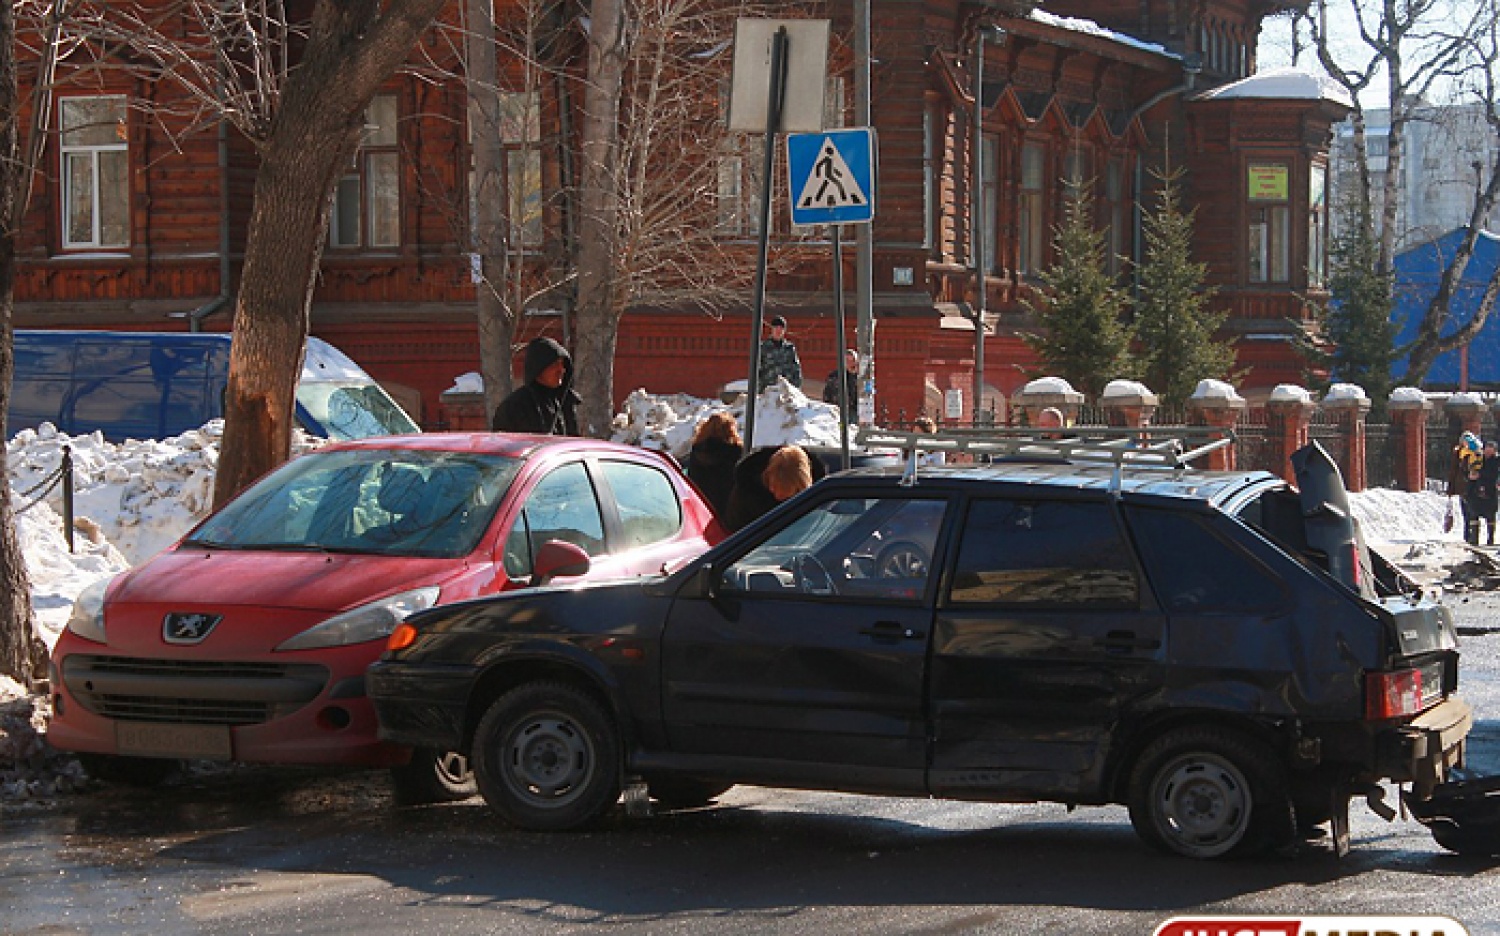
(133, 499)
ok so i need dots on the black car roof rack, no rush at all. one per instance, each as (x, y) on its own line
(1147, 447)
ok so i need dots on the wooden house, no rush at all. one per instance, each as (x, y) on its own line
(137, 217)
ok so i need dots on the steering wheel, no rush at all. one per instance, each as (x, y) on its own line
(813, 577)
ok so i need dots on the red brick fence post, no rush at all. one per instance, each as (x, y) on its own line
(1409, 422)
(1349, 409)
(1044, 392)
(1289, 414)
(1128, 404)
(1218, 410)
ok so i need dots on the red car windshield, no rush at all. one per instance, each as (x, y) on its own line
(398, 502)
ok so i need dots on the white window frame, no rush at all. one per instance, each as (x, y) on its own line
(367, 199)
(76, 151)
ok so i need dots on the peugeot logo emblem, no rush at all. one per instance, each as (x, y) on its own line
(184, 628)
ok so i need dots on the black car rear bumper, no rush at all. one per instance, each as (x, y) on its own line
(421, 706)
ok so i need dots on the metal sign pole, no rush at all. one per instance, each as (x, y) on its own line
(773, 125)
(838, 308)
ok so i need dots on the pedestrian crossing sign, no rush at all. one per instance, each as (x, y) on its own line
(832, 176)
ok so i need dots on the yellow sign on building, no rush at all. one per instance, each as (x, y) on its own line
(1268, 182)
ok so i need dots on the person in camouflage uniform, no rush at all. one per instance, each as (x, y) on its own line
(778, 357)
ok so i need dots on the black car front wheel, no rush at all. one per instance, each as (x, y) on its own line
(1206, 793)
(547, 757)
(433, 776)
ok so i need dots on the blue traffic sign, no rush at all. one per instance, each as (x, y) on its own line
(832, 176)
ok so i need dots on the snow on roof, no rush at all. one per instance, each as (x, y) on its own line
(1345, 391)
(1288, 84)
(1091, 28)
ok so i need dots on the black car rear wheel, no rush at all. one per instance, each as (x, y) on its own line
(1206, 793)
(547, 757)
(433, 776)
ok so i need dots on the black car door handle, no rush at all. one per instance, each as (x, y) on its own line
(890, 630)
(1125, 641)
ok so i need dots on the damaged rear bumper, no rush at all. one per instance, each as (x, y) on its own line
(1429, 746)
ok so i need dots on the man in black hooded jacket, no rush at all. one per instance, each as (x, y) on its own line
(546, 404)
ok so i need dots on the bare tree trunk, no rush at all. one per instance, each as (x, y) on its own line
(17, 641)
(597, 315)
(497, 321)
(352, 47)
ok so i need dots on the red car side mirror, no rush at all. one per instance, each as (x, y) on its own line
(557, 558)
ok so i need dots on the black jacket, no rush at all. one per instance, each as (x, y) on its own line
(750, 498)
(538, 409)
(710, 465)
(851, 384)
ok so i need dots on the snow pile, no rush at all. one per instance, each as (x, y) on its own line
(783, 416)
(130, 501)
(467, 383)
(31, 770)
(57, 575)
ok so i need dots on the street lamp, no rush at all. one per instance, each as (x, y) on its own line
(985, 30)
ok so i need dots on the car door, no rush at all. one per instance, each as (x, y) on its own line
(810, 646)
(1043, 640)
(562, 504)
(648, 516)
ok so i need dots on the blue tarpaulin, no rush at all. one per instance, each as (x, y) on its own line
(1417, 273)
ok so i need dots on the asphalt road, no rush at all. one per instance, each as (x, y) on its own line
(277, 851)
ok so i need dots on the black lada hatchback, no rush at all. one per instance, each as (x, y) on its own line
(1086, 620)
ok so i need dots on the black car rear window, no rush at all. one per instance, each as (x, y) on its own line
(1192, 569)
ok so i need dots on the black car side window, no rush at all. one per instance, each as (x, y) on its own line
(853, 547)
(1193, 570)
(1033, 552)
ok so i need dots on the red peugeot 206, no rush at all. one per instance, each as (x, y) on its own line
(248, 640)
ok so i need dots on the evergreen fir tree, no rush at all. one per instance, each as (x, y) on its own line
(1083, 339)
(1358, 319)
(1174, 328)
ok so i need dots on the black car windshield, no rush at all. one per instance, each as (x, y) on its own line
(399, 502)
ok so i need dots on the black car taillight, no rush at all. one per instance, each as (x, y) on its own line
(1393, 694)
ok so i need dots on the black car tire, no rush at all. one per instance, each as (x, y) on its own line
(433, 776)
(130, 771)
(685, 792)
(547, 757)
(902, 559)
(1205, 792)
